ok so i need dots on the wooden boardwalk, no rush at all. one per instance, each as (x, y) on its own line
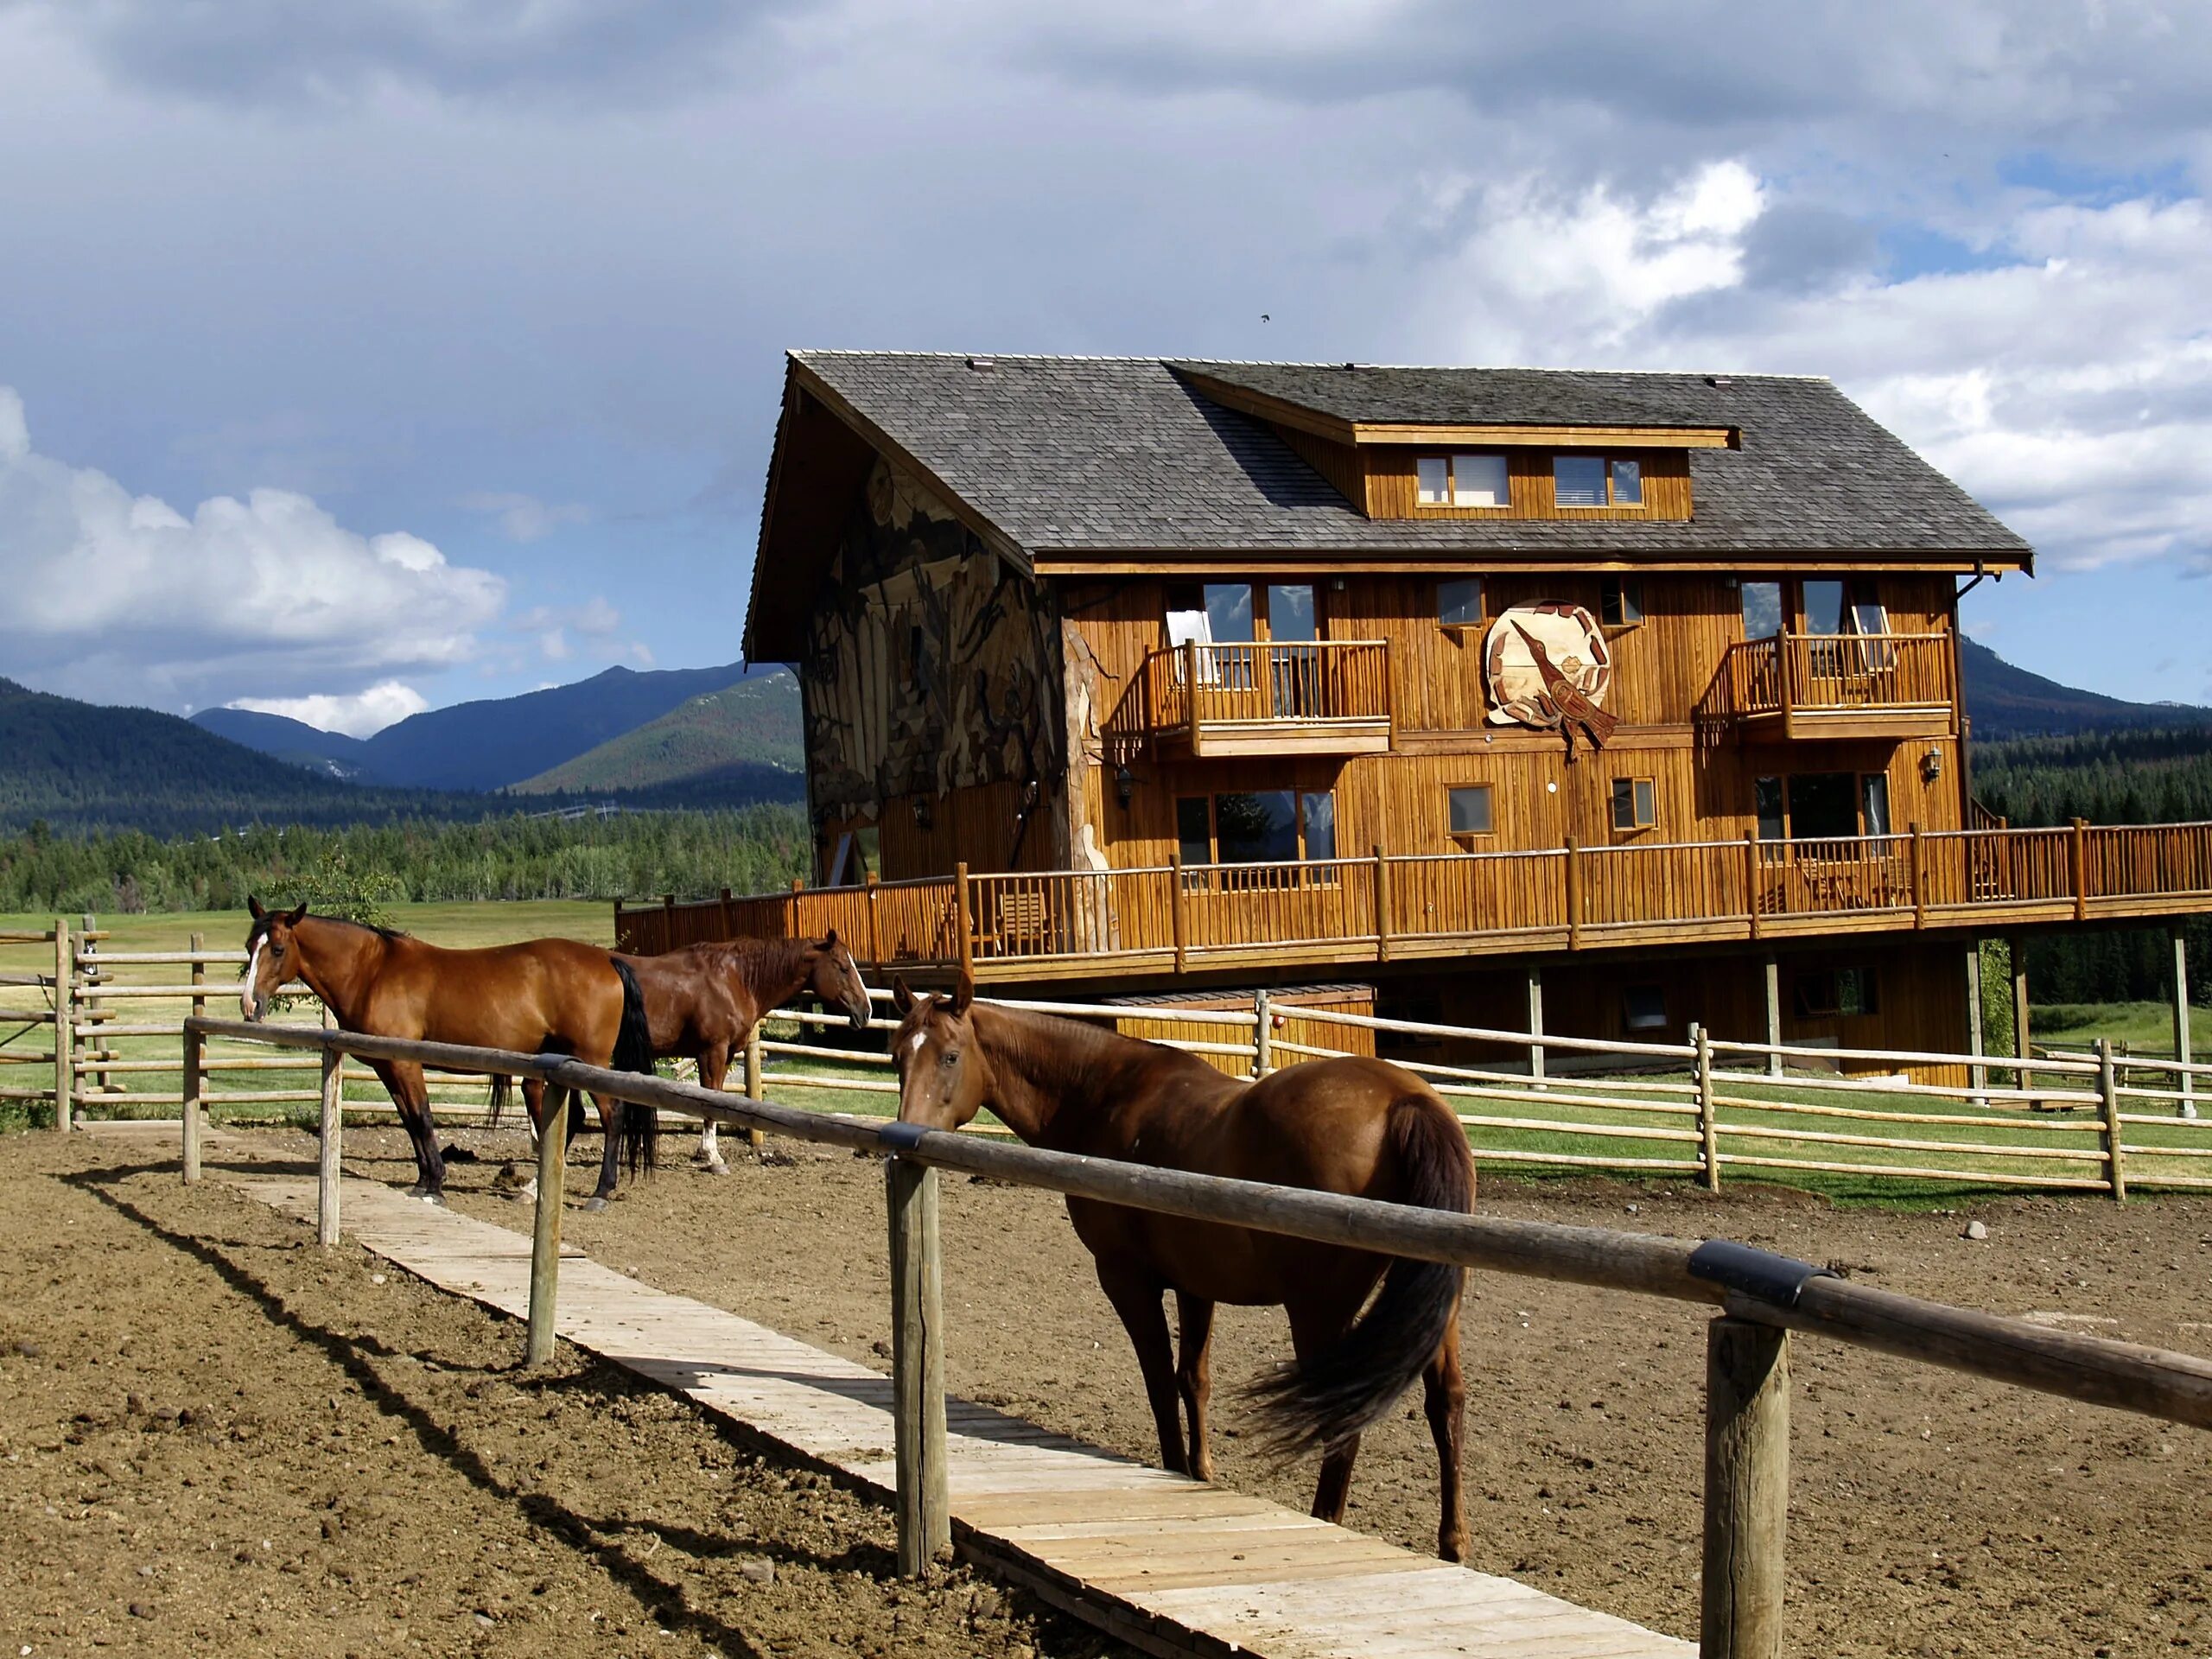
(1164, 1563)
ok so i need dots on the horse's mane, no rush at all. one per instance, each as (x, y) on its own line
(763, 961)
(1048, 1049)
(259, 931)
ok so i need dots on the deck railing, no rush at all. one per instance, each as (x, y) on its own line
(1357, 909)
(1838, 674)
(1191, 687)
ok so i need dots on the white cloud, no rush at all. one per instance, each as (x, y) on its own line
(121, 598)
(360, 714)
(525, 518)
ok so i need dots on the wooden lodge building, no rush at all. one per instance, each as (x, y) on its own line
(1609, 701)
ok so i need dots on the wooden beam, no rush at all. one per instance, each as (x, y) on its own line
(1495, 436)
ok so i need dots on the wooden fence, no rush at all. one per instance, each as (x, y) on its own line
(1762, 1297)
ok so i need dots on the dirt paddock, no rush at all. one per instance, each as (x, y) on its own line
(415, 1493)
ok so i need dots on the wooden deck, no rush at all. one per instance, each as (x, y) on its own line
(1166, 1564)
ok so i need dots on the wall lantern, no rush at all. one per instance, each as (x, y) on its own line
(925, 814)
(1931, 766)
(1125, 784)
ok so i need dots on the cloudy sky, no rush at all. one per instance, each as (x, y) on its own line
(359, 357)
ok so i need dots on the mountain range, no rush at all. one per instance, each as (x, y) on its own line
(705, 737)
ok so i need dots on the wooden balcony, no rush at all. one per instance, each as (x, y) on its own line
(1330, 696)
(1118, 923)
(1850, 685)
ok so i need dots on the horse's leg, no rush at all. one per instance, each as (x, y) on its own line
(533, 1100)
(609, 1111)
(1313, 1327)
(1446, 1397)
(1135, 1297)
(1194, 1373)
(403, 1082)
(714, 1065)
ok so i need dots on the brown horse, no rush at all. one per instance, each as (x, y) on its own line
(1359, 1126)
(547, 997)
(702, 1002)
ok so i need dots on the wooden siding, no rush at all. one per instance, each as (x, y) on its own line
(1393, 493)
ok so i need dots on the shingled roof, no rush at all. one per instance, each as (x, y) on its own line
(1072, 456)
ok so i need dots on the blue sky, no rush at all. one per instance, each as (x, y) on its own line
(368, 358)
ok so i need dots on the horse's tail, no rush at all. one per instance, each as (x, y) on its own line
(1325, 1399)
(498, 1100)
(633, 1052)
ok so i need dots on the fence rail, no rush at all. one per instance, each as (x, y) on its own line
(1761, 1297)
(1354, 910)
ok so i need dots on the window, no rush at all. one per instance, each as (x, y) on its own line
(1229, 612)
(1579, 480)
(1620, 602)
(1823, 806)
(1762, 609)
(1823, 604)
(1643, 1007)
(1267, 826)
(1628, 483)
(1317, 820)
(1462, 481)
(1772, 809)
(1874, 802)
(1636, 805)
(1459, 602)
(1469, 810)
(1291, 615)
(1826, 993)
(1194, 828)
(1480, 481)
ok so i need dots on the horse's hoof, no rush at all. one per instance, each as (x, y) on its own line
(595, 1203)
(718, 1167)
(526, 1193)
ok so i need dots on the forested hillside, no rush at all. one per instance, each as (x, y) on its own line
(2108, 778)
(742, 740)
(587, 856)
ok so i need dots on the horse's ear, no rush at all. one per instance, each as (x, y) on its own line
(253, 907)
(830, 943)
(963, 993)
(902, 995)
(299, 914)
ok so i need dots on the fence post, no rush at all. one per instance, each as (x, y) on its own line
(333, 1114)
(2188, 1085)
(545, 1233)
(188, 1106)
(2017, 949)
(924, 1509)
(1175, 911)
(1774, 1013)
(87, 924)
(1382, 906)
(2108, 1086)
(1574, 894)
(1708, 1122)
(1264, 1060)
(755, 1083)
(65, 1021)
(1977, 1073)
(1747, 1489)
(963, 920)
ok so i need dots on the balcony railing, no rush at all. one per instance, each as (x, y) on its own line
(1112, 923)
(1835, 685)
(1325, 696)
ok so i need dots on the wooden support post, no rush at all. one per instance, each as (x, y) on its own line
(756, 1083)
(1175, 911)
(2109, 1087)
(1574, 894)
(1919, 879)
(1537, 1025)
(1751, 878)
(65, 1022)
(545, 1234)
(327, 1167)
(88, 925)
(2080, 869)
(1977, 1073)
(1263, 1058)
(2188, 1080)
(1381, 904)
(964, 919)
(1747, 1489)
(874, 928)
(1784, 682)
(1774, 1013)
(2018, 948)
(924, 1509)
(188, 1108)
(1708, 1116)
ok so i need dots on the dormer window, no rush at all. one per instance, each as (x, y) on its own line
(1462, 480)
(1596, 481)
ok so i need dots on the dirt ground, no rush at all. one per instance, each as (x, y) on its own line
(1931, 1514)
(215, 1438)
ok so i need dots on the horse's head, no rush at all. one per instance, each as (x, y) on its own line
(272, 957)
(837, 981)
(944, 1077)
